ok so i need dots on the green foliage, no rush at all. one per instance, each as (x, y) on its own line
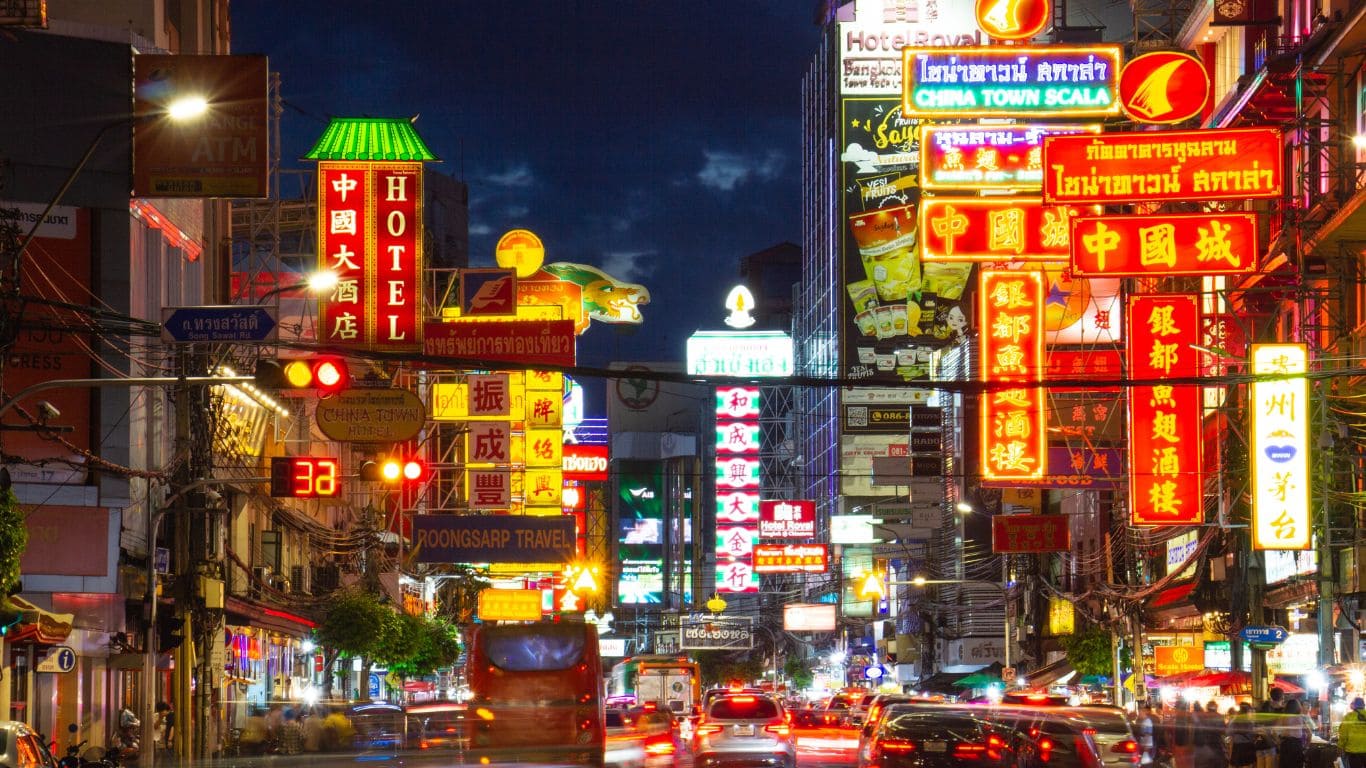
(457, 595)
(723, 667)
(798, 671)
(438, 646)
(399, 640)
(13, 540)
(354, 623)
(1088, 651)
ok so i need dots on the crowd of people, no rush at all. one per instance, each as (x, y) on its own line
(1278, 734)
(290, 731)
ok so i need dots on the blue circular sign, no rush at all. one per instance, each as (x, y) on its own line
(66, 659)
(873, 672)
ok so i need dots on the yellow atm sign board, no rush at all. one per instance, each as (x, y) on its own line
(510, 605)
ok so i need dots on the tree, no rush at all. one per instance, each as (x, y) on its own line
(400, 638)
(352, 626)
(438, 646)
(458, 593)
(1088, 651)
(798, 670)
(13, 542)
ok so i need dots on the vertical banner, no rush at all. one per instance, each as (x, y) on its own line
(1280, 447)
(1165, 471)
(737, 473)
(1014, 439)
(370, 233)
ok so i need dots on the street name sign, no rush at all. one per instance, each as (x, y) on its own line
(218, 323)
(1264, 635)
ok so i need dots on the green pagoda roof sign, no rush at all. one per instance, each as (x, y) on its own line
(370, 138)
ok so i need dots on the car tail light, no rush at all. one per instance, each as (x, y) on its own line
(969, 750)
(707, 729)
(780, 729)
(890, 746)
(1126, 747)
(659, 745)
(424, 744)
(742, 699)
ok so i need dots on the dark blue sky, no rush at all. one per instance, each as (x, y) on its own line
(659, 141)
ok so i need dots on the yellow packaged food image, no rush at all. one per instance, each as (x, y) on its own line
(863, 293)
(885, 327)
(886, 243)
(866, 322)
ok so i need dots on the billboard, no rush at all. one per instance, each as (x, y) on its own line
(1014, 438)
(899, 310)
(794, 519)
(493, 539)
(973, 157)
(808, 617)
(791, 558)
(1010, 81)
(748, 354)
(706, 632)
(223, 153)
(640, 509)
(1280, 447)
(995, 229)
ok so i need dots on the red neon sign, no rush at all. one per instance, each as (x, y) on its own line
(1017, 534)
(1163, 87)
(1013, 19)
(1170, 244)
(1165, 472)
(1014, 439)
(1221, 164)
(790, 558)
(994, 229)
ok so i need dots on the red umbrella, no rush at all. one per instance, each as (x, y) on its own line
(1237, 680)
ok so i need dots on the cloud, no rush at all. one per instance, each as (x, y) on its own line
(479, 230)
(627, 266)
(515, 176)
(726, 170)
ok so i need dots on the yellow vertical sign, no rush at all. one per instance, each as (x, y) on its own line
(1280, 447)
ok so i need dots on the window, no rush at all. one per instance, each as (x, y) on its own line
(549, 649)
(744, 708)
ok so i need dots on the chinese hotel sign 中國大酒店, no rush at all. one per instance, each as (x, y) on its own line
(1158, 166)
(1164, 244)
(974, 157)
(1014, 439)
(1166, 481)
(1010, 81)
(994, 229)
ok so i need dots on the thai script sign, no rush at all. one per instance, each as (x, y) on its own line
(1166, 485)
(704, 632)
(1222, 164)
(790, 558)
(534, 342)
(994, 229)
(1164, 244)
(1009, 81)
(584, 462)
(973, 157)
(1280, 448)
(740, 353)
(493, 539)
(1016, 534)
(1013, 433)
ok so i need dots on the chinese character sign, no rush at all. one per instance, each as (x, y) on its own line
(972, 157)
(1008, 81)
(738, 480)
(1165, 244)
(370, 234)
(1013, 431)
(1013, 534)
(995, 229)
(790, 558)
(1280, 448)
(1165, 472)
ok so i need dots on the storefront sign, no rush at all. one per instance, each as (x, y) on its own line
(737, 437)
(974, 157)
(790, 558)
(1010, 81)
(738, 442)
(584, 462)
(702, 632)
(747, 354)
(1082, 466)
(1157, 166)
(1092, 366)
(370, 233)
(1013, 19)
(891, 419)
(1165, 244)
(1166, 480)
(808, 617)
(1013, 429)
(1163, 87)
(737, 506)
(532, 342)
(795, 519)
(736, 577)
(994, 229)
(493, 539)
(1175, 659)
(1280, 448)
(509, 605)
(1016, 534)
(372, 415)
(870, 45)
(852, 529)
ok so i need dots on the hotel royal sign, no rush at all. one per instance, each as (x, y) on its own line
(1010, 81)
(370, 232)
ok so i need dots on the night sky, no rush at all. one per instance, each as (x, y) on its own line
(659, 141)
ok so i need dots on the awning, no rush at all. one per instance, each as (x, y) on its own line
(253, 614)
(1049, 674)
(941, 682)
(1172, 595)
(39, 626)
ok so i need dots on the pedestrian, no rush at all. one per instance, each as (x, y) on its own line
(291, 734)
(1352, 734)
(163, 728)
(313, 730)
(1144, 727)
(1295, 733)
(1209, 736)
(1242, 737)
(1180, 743)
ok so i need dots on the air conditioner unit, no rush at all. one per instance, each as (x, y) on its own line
(297, 576)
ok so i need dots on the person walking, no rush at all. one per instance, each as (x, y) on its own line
(1181, 742)
(1144, 727)
(1352, 735)
(1242, 737)
(1208, 726)
(163, 728)
(1295, 732)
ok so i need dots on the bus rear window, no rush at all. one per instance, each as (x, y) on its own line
(550, 649)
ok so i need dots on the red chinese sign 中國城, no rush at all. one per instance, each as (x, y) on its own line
(1014, 439)
(994, 229)
(1165, 472)
(1220, 164)
(1164, 244)
(370, 234)
(1018, 534)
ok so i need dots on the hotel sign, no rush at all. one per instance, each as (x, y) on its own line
(994, 229)
(1010, 81)
(1160, 166)
(972, 157)
(870, 45)
(1164, 244)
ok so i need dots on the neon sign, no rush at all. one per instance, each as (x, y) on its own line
(1280, 448)
(1165, 244)
(790, 558)
(738, 479)
(1221, 164)
(975, 157)
(994, 229)
(740, 353)
(1009, 81)
(1013, 19)
(1014, 438)
(1166, 484)
(1163, 87)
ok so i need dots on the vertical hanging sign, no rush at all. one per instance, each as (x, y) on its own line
(1014, 440)
(1280, 448)
(1165, 472)
(737, 487)
(370, 233)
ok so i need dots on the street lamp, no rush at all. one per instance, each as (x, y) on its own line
(316, 283)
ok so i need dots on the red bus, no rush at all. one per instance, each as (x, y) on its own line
(537, 693)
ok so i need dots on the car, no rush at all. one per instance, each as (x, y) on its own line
(1062, 737)
(1113, 735)
(916, 736)
(744, 728)
(663, 736)
(878, 709)
(836, 710)
(858, 710)
(439, 725)
(378, 726)
(625, 743)
(22, 747)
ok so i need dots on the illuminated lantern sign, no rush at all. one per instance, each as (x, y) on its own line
(738, 479)
(791, 558)
(1016, 534)
(737, 437)
(737, 473)
(1164, 244)
(735, 403)
(1013, 430)
(972, 157)
(994, 229)
(1013, 19)
(1219, 164)
(735, 542)
(787, 519)
(1010, 81)
(736, 577)
(1163, 87)
(737, 507)
(1165, 473)
(370, 233)
(1280, 448)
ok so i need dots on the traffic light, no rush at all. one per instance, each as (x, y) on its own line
(326, 374)
(393, 471)
(170, 632)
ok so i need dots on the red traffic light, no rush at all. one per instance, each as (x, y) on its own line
(326, 374)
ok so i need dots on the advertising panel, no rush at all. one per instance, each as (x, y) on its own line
(737, 506)
(899, 311)
(1010, 81)
(808, 617)
(1280, 447)
(1062, 617)
(890, 419)
(493, 539)
(794, 519)
(748, 354)
(585, 463)
(534, 342)
(1162, 166)
(1165, 473)
(870, 45)
(1175, 659)
(640, 505)
(1165, 244)
(1017, 534)
(852, 529)
(223, 153)
(1014, 439)
(790, 558)
(1075, 466)
(509, 605)
(995, 229)
(1163, 87)
(1179, 551)
(974, 157)
(737, 577)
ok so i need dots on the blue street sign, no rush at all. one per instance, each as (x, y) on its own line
(1264, 635)
(66, 659)
(218, 323)
(374, 685)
